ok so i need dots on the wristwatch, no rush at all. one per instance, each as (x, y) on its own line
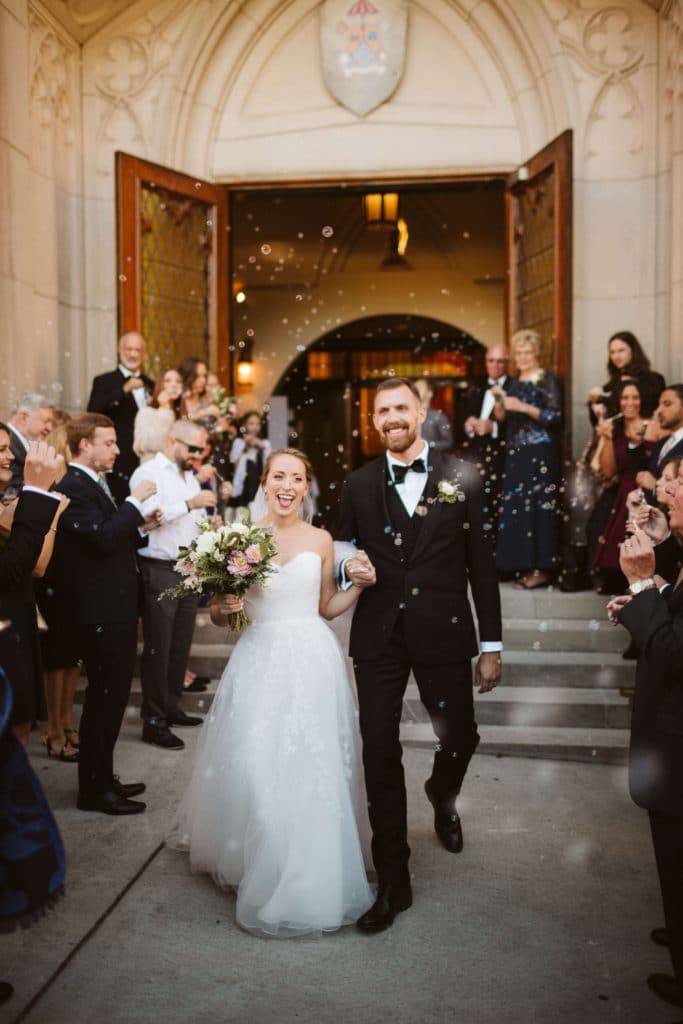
(640, 585)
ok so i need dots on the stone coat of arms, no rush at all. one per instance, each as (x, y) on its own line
(363, 49)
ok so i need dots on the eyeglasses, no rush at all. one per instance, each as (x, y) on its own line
(193, 449)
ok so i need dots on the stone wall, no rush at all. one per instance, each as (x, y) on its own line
(233, 91)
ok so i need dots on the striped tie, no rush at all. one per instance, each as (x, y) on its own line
(105, 487)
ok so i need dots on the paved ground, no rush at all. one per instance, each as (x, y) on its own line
(543, 918)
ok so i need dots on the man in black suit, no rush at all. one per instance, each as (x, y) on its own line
(485, 445)
(653, 614)
(670, 415)
(120, 395)
(418, 517)
(30, 420)
(98, 541)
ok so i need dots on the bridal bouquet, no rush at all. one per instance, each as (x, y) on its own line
(227, 405)
(227, 560)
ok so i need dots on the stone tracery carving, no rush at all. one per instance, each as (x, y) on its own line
(50, 90)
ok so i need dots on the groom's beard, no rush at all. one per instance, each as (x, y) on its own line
(400, 441)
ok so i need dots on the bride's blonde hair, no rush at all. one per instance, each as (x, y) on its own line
(295, 453)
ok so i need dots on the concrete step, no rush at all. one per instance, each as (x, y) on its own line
(571, 634)
(601, 669)
(601, 746)
(551, 603)
(572, 707)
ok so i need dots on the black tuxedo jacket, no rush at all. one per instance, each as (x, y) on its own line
(97, 542)
(475, 396)
(108, 397)
(655, 621)
(669, 559)
(430, 587)
(17, 463)
(18, 555)
(675, 453)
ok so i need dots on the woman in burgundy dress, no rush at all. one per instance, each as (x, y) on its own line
(625, 444)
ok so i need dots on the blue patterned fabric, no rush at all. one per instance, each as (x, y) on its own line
(31, 852)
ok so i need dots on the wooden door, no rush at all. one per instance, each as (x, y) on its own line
(538, 213)
(172, 265)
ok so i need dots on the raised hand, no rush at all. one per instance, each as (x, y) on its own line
(144, 490)
(224, 605)
(637, 557)
(204, 499)
(615, 606)
(42, 465)
(652, 521)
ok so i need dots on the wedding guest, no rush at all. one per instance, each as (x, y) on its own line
(32, 869)
(627, 443)
(436, 429)
(248, 455)
(154, 423)
(531, 409)
(98, 540)
(485, 445)
(32, 518)
(31, 419)
(669, 415)
(168, 622)
(59, 643)
(668, 476)
(626, 361)
(196, 404)
(653, 614)
(120, 394)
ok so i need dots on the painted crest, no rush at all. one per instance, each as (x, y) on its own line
(363, 47)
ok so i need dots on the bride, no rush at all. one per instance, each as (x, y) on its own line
(272, 808)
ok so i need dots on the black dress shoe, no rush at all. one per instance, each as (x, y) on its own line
(391, 900)
(161, 736)
(447, 823)
(6, 991)
(180, 718)
(109, 803)
(198, 685)
(667, 988)
(660, 937)
(127, 789)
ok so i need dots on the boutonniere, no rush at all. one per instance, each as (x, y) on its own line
(536, 378)
(450, 491)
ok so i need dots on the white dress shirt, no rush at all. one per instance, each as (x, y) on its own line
(139, 394)
(174, 490)
(488, 402)
(410, 491)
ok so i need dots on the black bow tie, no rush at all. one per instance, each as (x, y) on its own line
(492, 383)
(417, 466)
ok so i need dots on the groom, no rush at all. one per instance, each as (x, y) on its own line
(418, 515)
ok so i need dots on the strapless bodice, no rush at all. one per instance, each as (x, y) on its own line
(291, 592)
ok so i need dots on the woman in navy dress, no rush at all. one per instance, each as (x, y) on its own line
(531, 408)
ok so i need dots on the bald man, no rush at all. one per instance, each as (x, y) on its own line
(168, 622)
(120, 394)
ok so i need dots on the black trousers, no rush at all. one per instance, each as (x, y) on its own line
(446, 692)
(167, 629)
(109, 651)
(667, 837)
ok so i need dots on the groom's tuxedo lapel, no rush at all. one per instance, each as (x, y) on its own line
(433, 505)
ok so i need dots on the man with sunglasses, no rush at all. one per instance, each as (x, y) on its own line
(168, 623)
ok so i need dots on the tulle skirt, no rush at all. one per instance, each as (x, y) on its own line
(274, 805)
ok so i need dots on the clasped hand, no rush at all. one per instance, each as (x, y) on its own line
(360, 570)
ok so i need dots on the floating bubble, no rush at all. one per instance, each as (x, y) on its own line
(266, 250)
(415, 591)
(122, 277)
(328, 231)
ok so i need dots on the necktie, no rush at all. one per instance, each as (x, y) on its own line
(417, 466)
(105, 487)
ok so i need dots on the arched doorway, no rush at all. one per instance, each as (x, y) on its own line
(329, 388)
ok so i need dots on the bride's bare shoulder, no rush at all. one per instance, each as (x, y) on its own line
(319, 539)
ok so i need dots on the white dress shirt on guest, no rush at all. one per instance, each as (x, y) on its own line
(180, 526)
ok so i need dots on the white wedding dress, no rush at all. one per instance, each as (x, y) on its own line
(274, 802)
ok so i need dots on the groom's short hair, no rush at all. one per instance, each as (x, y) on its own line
(399, 382)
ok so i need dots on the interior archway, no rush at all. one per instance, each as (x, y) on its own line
(329, 388)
